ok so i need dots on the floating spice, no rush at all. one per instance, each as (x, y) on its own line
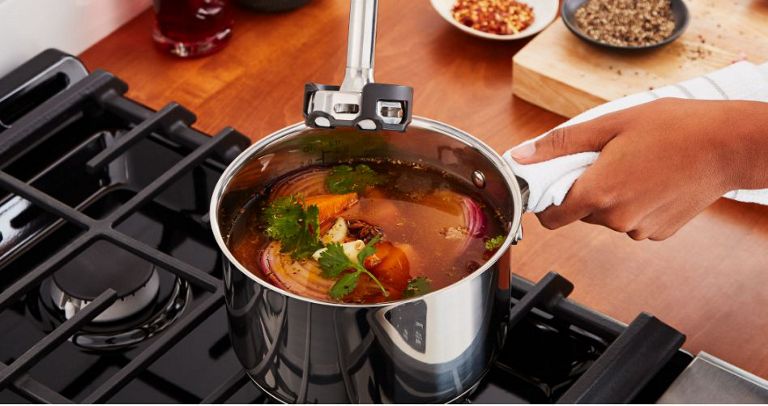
(502, 17)
(626, 22)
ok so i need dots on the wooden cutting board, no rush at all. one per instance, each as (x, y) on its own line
(562, 73)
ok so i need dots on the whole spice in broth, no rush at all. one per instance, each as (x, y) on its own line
(626, 22)
(502, 17)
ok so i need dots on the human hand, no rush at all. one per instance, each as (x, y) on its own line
(661, 163)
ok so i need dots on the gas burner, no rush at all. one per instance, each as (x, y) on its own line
(149, 300)
(123, 335)
(103, 266)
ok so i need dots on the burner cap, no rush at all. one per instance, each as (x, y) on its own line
(102, 266)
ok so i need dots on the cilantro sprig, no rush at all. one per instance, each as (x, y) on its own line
(346, 179)
(417, 286)
(494, 243)
(333, 262)
(294, 226)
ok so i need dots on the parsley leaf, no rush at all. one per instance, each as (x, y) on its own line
(417, 287)
(333, 261)
(345, 285)
(494, 243)
(345, 179)
(368, 250)
(296, 228)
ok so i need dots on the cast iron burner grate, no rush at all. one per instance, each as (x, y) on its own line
(100, 94)
(85, 170)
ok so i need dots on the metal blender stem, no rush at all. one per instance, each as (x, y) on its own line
(360, 44)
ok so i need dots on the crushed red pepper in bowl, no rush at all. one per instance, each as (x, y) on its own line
(502, 17)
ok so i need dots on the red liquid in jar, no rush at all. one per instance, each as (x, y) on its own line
(189, 28)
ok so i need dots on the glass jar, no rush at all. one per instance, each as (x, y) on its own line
(190, 28)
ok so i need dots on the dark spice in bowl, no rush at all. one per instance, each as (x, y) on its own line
(626, 23)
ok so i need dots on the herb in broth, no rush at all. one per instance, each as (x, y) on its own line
(494, 243)
(372, 232)
(417, 287)
(345, 179)
(295, 227)
(334, 261)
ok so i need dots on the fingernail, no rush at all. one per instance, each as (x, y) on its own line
(523, 151)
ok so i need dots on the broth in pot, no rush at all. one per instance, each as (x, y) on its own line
(365, 232)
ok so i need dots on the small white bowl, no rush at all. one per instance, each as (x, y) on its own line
(544, 12)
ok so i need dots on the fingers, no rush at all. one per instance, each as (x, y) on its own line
(583, 137)
(558, 216)
(649, 179)
(597, 199)
(655, 222)
(580, 202)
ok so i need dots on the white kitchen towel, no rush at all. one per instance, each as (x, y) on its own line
(550, 181)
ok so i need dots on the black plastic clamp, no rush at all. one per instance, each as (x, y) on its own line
(382, 107)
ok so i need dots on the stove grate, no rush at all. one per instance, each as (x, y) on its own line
(173, 120)
(228, 388)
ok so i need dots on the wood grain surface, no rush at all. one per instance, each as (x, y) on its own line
(709, 280)
(561, 73)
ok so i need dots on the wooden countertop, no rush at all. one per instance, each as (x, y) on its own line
(709, 281)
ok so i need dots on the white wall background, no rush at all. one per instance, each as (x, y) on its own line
(30, 26)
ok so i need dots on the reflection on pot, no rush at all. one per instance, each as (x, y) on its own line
(430, 350)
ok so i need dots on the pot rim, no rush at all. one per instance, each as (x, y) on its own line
(418, 122)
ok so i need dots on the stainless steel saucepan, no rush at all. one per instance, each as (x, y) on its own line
(432, 348)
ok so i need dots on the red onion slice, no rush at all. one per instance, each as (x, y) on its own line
(301, 277)
(305, 277)
(474, 217)
(474, 222)
(307, 183)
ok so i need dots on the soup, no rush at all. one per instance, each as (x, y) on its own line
(365, 232)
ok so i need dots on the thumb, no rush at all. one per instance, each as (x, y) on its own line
(589, 136)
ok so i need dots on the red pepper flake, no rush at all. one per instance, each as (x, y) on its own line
(502, 17)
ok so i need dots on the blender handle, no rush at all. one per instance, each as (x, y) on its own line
(361, 43)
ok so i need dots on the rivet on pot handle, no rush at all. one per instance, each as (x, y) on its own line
(359, 102)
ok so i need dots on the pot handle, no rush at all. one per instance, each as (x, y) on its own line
(525, 192)
(359, 102)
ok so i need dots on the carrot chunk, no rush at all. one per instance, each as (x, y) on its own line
(330, 206)
(390, 265)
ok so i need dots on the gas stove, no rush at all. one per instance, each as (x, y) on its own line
(110, 280)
